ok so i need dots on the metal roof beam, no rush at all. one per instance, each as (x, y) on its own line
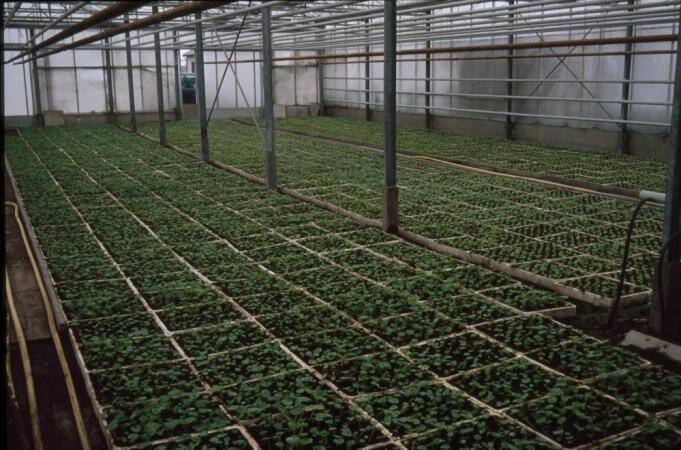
(103, 15)
(173, 13)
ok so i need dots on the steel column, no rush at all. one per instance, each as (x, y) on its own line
(666, 305)
(270, 159)
(178, 89)
(159, 84)
(429, 118)
(625, 137)
(109, 84)
(390, 192)
(368, 113)
(38, 113)
(320, 85)
(201, 90)
(508, 127)
(131, 86)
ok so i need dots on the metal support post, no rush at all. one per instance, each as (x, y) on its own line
(38, 113)
(665, 318)
(320, 86)
(201, 90)
(625, 137)
(109, 83)
(368, 113)
(159, 83)
(390, 193)
(270, 159)
(429, 118)
(178, 89)
(508, 128)
(131, 86)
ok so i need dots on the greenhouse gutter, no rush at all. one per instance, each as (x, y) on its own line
(423, 241)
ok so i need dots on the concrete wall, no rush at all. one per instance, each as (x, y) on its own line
(190, 112)
(122, 118)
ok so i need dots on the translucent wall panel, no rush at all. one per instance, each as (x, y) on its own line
(574, 86)
(17, 87)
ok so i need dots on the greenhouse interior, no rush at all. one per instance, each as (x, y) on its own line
(342, 224)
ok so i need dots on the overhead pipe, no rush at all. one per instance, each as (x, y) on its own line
(409, 25)
(104, 15)
(212, 18)
(657, 197)
(179, 11)
(497, 47)
(336, 18)
(515, 80)
(517, 56)
(490, 47)
(12, 13)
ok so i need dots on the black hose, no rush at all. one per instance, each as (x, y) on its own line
(623, 267)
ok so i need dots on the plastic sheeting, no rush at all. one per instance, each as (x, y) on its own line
(342, 87)
(74, 81)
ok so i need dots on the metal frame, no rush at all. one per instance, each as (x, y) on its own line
(625, 136)
(390, 190)
(201, 91)
(428, 65)
(108, 71)
(178, 88)
(368, 113)
(131, 86)
(37, 104)
(159, 85)
(508, 128)
(268, 99)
